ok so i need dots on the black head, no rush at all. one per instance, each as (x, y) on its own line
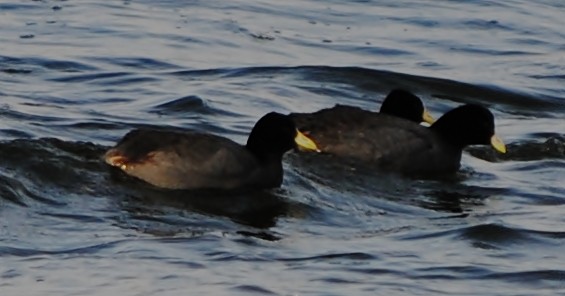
(403, 104)
(468, 125)
(273, 134)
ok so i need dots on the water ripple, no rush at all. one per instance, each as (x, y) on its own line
(331, 257)
(92, 249)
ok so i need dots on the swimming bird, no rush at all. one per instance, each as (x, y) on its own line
(394, 144)
(399, 103)
(193, 160)
(404, 104)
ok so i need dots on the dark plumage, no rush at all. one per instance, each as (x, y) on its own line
(398, 103)
(404, 104)
(398, 145)
(192, 160)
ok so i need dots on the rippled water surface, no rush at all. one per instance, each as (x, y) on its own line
(75, 76)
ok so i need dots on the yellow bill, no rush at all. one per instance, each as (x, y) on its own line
(497, 143)
(427, 117)
(305, 143)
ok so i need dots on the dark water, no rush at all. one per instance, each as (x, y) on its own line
(77, 75)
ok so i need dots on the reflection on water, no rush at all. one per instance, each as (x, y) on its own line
(256, 209)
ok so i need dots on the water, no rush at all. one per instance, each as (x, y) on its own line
(77, 75)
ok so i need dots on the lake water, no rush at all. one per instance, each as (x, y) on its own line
(75, 76)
